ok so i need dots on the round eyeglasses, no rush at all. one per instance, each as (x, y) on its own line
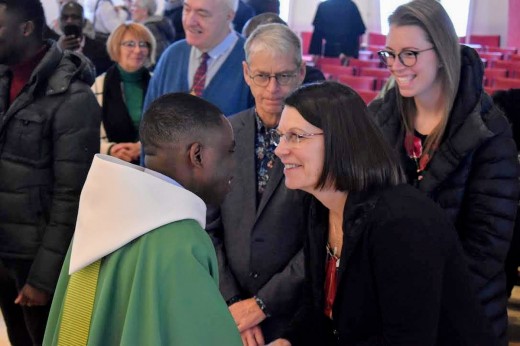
(133, 44)
(407, 57)
(291, 137)
(263, 79)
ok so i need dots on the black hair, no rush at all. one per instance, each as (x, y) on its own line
(357, 157)
(74, 5)
(176, 116)
(27, 10)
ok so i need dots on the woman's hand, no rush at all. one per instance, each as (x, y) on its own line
(126, 151)
(280, 342)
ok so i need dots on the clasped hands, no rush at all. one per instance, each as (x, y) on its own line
(126, 151)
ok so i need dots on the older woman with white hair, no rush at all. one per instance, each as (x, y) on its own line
(143, 12)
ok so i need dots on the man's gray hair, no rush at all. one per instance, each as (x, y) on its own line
(275, 38)
(149, 5)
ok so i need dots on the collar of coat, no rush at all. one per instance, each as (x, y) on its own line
(119, 203)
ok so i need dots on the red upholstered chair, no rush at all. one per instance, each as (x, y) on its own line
(485, 40)
(491, 73)
(365, 55)
(506, 83)
(506, 51)
(515, 57)
(358, 82)
(333, 71)
(509, 65)
(491, 57)
(367, 95)
(306, 41)
(382, 75)
(514, 73)
(324, 60)
(489, 90)
(375, 38)
(373, 63)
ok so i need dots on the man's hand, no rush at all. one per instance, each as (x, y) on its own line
(31, 296)
(247, 314)
(253, 337)
(69, 42)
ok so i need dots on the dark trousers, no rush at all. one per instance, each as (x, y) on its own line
(25, 325)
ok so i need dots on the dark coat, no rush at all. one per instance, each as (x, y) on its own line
(96, 51)
(340, 24)
(48, 137)
(473, 176)
(402, 278)
(163, 31)
(260, 244)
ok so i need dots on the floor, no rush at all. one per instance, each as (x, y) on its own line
(513, 310)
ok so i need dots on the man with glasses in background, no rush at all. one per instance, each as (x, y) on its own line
(259, 229)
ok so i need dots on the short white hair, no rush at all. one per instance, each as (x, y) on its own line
(231, 4)
(149, 5)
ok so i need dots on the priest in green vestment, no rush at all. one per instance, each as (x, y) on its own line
(157, 282)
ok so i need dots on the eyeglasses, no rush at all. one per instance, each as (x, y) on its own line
(407, 57)
(291, 137)
(133, 44)
(263, 79)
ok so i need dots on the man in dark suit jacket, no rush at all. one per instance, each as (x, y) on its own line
(72, 21)
(339, 23)
(259, 234)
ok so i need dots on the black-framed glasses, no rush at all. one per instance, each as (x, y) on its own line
(133, 44)
(407, 57)
(291, 137)
(263, 79)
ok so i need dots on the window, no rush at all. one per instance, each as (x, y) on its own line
(285, 6)
(457, 10)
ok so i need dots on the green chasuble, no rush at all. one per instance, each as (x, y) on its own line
(160, 289)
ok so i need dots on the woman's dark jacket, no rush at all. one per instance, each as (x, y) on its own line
(473, 176)
(48, 137)
(403, 279)
(116, 118)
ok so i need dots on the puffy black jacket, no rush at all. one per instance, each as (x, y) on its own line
(48, 137)
(473, 176)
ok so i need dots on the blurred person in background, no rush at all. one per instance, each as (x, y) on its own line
(143, 12)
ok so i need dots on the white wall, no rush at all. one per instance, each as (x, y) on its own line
(488, 17)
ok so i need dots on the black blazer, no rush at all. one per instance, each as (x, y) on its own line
(402, 277)
(260, 246)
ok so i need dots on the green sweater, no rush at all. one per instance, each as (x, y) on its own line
(133, 93)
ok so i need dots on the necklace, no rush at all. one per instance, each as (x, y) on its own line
(335, 242)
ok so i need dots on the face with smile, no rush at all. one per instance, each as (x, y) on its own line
(269, 99)
(422, 79)
(206, 22)
(132, 59)
(303, 161)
